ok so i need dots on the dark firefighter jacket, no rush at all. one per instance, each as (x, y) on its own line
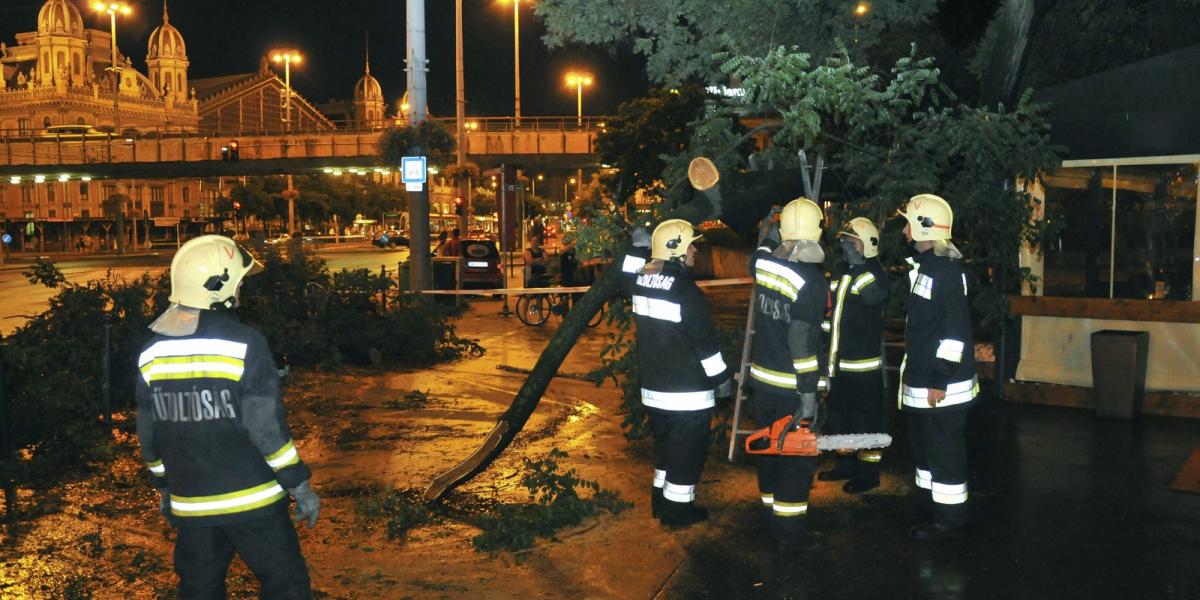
(790, 305)
(855, 324)
(939, 346)
(679, 360)
(211, 423)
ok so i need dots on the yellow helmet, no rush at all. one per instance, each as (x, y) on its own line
(671, 239)
(206, 271)
(863, 230)
(929, 217)
(801, 220)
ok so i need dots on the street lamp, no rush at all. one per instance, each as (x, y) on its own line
(516, 60)
(534, 182)
(113, 9)
(287, 57)
(578, 80)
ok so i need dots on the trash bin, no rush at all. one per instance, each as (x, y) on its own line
(1119, 372)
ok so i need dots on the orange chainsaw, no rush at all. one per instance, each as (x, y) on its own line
(793, 436)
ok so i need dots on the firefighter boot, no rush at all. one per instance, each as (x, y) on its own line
(791, 534)
(656, 501)
(866, 473)
(845, 468)
(677, 515)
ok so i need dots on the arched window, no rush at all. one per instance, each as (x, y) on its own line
(46, 122)
(79, 121)
(179, 82)
(157, 82)
(46, 62)
(75, 64)
(61, 62)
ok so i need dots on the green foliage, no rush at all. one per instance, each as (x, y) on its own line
(402, 510)
(897, 136)
(433, 138)
(556, 503)
(55, 373)
(647, 132)
(688, 39)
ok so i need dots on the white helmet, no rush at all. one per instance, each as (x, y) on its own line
(801, 220)
(206, 271)
(863, 230)
(671, 239)
(929, 217)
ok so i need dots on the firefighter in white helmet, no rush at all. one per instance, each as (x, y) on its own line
(937, 378)
(855, 326)
(680, 366)
(212, 430)
(788, 356)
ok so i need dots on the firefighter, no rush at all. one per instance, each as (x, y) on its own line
(680, 367)
(212, 430)
(855, 353)
(787, 356)
(937, 378)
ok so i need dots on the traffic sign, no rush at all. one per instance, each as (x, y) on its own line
(6, 238)
(413, 169)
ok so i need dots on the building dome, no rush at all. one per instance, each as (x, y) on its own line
(166, 41)
(60, 16)
(368, 88)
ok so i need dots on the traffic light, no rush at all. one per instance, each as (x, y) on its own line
(237, 206)
(230, 151)
(458, 205)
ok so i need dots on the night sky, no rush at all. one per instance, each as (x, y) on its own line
(226, 37)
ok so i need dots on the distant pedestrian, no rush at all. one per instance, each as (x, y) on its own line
(535, 264)
(937, 379)
(212, 429)
(453, 246)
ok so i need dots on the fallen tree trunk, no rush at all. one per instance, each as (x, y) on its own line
(748, 201)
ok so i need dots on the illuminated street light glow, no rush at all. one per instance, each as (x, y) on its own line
(861, 9)
(85, 178)
(579, 79)
(39, 179)
(112, 8)
(288, 58)
(64, 177)
(14, 180)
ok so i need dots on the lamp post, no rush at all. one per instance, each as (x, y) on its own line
(578, 80)
(287, 57)
(113, 9)
(516, 61)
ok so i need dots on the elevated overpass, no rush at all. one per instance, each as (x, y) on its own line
(534, 143)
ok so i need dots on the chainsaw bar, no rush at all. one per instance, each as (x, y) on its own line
(853, 441)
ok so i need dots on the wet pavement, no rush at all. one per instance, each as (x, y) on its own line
(1062, 504)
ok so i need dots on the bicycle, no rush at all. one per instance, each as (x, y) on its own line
(535, 309)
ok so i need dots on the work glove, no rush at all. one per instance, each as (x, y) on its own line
(641, 237)
(308, 505)
(725, 389)
(164, 505)
(808, 409)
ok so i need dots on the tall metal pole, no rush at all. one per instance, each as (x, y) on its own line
(116, 71)
(460, 93)
(287, 103)
(291, 196)
(579, 102)
(418, 202)
(116, 68)
(517, 60)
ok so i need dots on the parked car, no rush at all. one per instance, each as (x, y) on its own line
(390, 239)
(482, 267)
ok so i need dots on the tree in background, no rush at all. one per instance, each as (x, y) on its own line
(648, 132)
(687, 40)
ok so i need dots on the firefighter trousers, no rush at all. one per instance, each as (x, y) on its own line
(783, 481)
(939, 448)
(855, 405)
(681, 440)
(268, 545)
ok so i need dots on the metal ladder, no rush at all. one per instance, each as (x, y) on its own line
(743, 378)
